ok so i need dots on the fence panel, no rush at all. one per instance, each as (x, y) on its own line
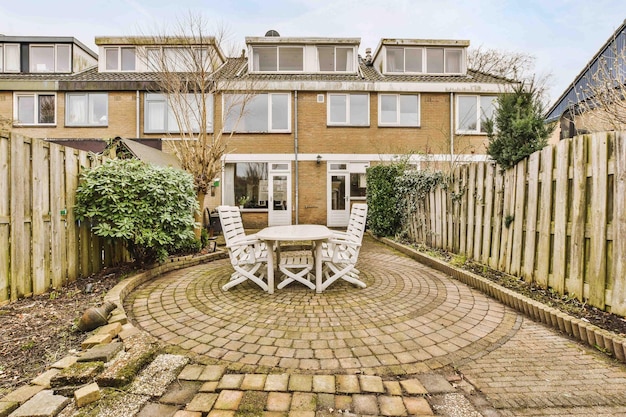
(618, 302)
(5, 220)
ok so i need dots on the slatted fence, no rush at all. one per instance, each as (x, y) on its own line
(42, 246)
(557, 219)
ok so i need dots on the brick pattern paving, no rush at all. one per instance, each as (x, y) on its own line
(409, 319)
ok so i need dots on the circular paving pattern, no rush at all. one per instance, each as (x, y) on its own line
(409, 319)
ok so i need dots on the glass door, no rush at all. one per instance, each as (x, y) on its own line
(338, 195)
(279, 191)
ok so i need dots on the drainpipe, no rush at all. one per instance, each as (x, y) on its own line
(451, 128)
(295, 146)
(137, 114)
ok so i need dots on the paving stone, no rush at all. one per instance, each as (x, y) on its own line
(65, 362)
(44, 379)
(417, 406)
(180, 392)
(303, 401)
(302, 383)
(413, 387)
(101, 353)
(43, 404)
(212, 373)
(277, 382)
(299, 413)
(118, 318)
(392, 387)
(230, 381)
(113, 329)
(87, 394)
(324, 383)
(202, 402)
(228, 400)
(222, 413)
(191, 372)
(22, 394)
(391, 406)
(365, 404)
(209, 386)
(78, 374)
(186, 413)
(155, 378)
(370, 383)
(348, 384)
(343, 402)
(6, 407)
(278, 401)
(435, 384)
(126, 333)
(157, 410)
(96, 339)
(141, 350)
(325, 401)
(253, 382)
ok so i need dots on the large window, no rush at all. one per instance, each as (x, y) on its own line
(335, 59)
(119, 58)
(278, 58)
(50, 58)
(348, 110)
(257, 113)
(472, 111)
(245, 184)
(424, 60)
(87, 109)
(9, 58)
(161, 113)
(398, 110)
(35, 108)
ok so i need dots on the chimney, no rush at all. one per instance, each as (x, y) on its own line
(368, 56)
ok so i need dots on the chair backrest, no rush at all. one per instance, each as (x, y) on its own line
(356, 224)
(232, 226)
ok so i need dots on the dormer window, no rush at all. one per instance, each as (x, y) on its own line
(9, 57)
(50, 58)
(419, 60)
(278, 58)
(119, 59)
(335, 59)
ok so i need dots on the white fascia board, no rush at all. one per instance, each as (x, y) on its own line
(350, 157)
(366, 86)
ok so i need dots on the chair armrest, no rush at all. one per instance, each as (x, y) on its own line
(245, 241)
(339, 241)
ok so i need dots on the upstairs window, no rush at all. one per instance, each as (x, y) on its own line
(278, 58)
(335, 59)
(86, 109)
(424, 60)
(398, 110)
(348, 110)
(9, 57)
(180, 113)
(35, 108)
(50, 58)
(259, 113)
(180, 59)
(120, 59)
(472, 111)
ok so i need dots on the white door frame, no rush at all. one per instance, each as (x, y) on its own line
(338, 217)
(279, 194)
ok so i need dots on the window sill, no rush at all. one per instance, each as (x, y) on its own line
(405, 126)
(86, 126)
(470, 133)
(338, 125)
(35, 125)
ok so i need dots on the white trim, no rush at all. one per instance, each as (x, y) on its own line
(397, 123)
(278, 70)
(478, 130)
(88, 95)
(35, 96)
(348, 122)
(270, 129)
(54, 47)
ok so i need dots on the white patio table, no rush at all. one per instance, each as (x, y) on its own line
(273, 235)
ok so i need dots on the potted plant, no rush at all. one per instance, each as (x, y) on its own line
(243, 200)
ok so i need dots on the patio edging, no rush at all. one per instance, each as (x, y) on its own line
(590, 334)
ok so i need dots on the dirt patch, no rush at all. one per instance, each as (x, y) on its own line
(37, 331)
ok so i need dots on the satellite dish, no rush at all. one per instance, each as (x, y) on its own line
(272, 33)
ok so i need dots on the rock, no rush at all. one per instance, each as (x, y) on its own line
(87, 394)
(77, 374)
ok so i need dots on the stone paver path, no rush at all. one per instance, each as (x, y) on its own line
(409, 319)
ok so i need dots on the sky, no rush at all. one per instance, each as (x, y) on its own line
(562, 35)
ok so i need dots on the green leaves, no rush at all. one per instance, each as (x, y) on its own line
(150, 208)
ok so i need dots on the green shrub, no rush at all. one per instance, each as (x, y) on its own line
(149, 208)
(383, 215)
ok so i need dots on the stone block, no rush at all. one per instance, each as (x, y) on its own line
(118, 318)
(22, 394)
(87, 394)
(212, 373)
(43, 404)
(141, 350)
(391, 406)
(413, 387)
(435, 384)
(180, 392)
(348, 384)
(96, 339)
(324, 383)
(77, 374)
(112, 328)
(101, 353)
(126, 333)
(191, 372)
(365, 404)
(157, 410)
(6, 407)
(202, 402)
(302, 383)
(228, 400)
(276, 382)
(370, 383)
(185, 413)
(65, 362)
(44, 379)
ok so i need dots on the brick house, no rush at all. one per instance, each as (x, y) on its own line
(319, 117)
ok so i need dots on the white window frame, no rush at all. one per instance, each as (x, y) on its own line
(424, 53)
(352, 64)
(404, 70)
(270, 129)
(55, 57)
(479, 119)
(398, 111)
(348, 121)
(169, 113)
(118, 64)
(35, 97)
(255, 66)
(4, 67)
(89, 104)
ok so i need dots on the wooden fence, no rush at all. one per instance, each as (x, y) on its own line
(42, 246)
(557, 219)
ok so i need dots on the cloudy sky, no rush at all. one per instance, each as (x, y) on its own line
(562, 35)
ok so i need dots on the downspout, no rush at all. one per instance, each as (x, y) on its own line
(451, 128)
(295, 146)
(137, 118)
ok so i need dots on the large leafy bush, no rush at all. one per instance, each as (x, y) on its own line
(383, 215)
(150, 208)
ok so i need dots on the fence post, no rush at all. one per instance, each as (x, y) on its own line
(618, 303)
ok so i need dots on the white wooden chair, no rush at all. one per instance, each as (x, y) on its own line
(340, 254)
(296, 266)
(248, 255)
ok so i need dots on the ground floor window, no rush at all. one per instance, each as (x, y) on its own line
(35, 109)
(245, 184)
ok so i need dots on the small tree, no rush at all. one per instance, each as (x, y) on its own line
(149, 208)
(518, 127)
